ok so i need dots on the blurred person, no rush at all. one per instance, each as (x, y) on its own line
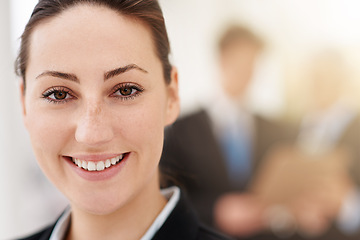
(331, 120)
(333, 123)
(97, 91)
(306, 195)
(309, 190)
(215, 151)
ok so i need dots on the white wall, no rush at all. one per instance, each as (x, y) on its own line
(6, 116)
(293, 30)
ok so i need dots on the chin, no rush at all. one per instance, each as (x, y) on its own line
(102, 210)
(101, 203)
(97, 207)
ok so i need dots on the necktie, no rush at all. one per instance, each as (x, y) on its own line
(237, 150)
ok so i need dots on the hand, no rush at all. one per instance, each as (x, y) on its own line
(239, 214)
(313, 216)
(316, 209)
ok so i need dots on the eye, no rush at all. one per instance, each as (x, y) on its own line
(127, 91)
(58, 94)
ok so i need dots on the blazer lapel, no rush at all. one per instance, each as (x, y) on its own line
(181, 224)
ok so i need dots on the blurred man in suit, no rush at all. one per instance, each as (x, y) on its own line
(307, 189)
(217, 150)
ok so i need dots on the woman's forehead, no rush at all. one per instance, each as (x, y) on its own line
(91, 24)
(91, 35)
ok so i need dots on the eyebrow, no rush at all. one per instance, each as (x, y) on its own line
(121, 70)
(107, 75)
(68, 76)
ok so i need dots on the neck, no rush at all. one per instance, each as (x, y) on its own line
(129, 222)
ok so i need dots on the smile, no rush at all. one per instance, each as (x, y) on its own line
(98, 165)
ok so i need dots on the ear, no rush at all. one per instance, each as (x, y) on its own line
(22, 98)
(173, 102)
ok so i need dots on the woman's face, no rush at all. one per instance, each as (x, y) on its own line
(96, 98)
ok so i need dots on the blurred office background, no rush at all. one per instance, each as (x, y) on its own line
(293, 31)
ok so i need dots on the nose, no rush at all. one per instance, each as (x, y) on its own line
(94, 127)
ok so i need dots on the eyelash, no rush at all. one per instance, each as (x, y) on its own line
(69, 95)
(53, 90)
(122, 86)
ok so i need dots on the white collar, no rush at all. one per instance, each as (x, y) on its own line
(321, 131)
(172, 194)
(232, 114)
(225, 110)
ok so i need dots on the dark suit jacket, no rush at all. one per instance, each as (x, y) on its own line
(182, 224)
(194, 156)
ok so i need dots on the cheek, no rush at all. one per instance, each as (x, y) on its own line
(48, 133)
(144, 127)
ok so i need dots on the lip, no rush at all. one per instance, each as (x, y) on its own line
(97, 175)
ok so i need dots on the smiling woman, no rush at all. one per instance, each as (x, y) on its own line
(97, 92)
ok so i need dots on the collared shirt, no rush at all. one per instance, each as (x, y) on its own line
(321, 131)
(234, 128)
(226, 112)
(172, 194)
(348, 219)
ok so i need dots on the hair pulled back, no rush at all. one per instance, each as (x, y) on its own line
(145, 11)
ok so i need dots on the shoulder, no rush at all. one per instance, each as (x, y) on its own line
(183, 224)
(196, 117)
(267, 122)
(192, 125)
(187, 131)
(41, 235)
(276, 128)
(209, 234)
(353, 126)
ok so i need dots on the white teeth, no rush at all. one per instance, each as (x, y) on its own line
(91, 166)
(107, 163)
(100, 166)
(84, 165)
(97, 166)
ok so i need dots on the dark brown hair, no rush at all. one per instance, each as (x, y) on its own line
(146, 11)
(237, 34)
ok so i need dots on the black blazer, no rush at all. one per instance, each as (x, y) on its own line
(182, 224)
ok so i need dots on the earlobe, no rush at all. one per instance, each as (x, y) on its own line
(173, 107)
